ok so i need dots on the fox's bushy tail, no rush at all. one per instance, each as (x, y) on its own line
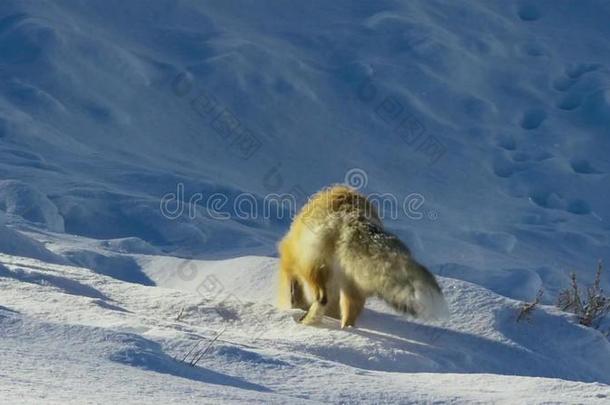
(417, 294)
(381, 264)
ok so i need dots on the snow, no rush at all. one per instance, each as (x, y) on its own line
(121, 124)
(72, 333)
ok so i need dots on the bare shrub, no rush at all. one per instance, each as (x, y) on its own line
(590, 307)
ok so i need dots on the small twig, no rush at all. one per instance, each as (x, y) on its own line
(180, 314)
(205, 350)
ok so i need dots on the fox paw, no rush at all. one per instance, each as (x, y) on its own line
(308, 319)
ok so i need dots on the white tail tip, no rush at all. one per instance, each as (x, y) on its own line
(430, 304)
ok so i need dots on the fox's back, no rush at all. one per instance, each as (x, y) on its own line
(332, 202)
(315, 230)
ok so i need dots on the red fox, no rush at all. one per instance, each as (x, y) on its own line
(337, 253)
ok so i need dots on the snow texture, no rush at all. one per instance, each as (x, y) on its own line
(120, 121)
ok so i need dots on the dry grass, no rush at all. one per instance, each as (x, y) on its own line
(525, 313)
(198, 350)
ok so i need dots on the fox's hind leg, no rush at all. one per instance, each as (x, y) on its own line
(352, 303)
(317, 280)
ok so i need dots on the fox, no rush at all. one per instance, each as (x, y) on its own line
(337, 254)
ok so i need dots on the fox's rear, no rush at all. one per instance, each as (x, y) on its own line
(337, 249)
(307, 253)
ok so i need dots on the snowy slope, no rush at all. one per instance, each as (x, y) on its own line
(107, 108)
(70, 333)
